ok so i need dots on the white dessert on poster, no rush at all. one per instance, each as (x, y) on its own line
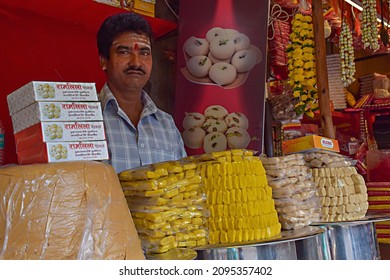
(215, 60)
(194, 46)
(244, 60)
(237, 138)
(220, 45)
(216, 130)
(199, 66)
(223, 73)
(241, 42)
(214, 32)
(237, 119)
(193, 119)
(215, 125)
(214, 142)
(193, 137)
(231, 33)
(216, 112)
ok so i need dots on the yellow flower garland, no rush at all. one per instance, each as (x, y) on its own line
(301, 65)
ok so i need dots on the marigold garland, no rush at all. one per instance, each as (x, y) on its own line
(301, 65)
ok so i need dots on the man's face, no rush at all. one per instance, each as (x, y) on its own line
(130, 62)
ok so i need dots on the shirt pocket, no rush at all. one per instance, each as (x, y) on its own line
(162, 155)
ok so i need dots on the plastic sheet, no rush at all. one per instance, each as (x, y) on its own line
(72, 210)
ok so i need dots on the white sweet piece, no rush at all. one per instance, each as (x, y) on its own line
(237, 119)
(237, 138)
(193, 119)
(193, 137)
(199, 66)
(231, 33)
(244, 60)
(214, 32)
(215, 112)
(241, 42)
(222, 73)
(196, 46)
(222, 47)
(214, 142)
(215, 60)
(215, 125)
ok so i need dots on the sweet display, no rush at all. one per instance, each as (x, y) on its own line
(293, 190)
(223, 57)
(238, 198)
(342, 191)
(216, 130)
(214, 198)
(166, 202)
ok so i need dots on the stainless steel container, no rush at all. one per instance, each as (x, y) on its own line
(353, 240)
(283, 247)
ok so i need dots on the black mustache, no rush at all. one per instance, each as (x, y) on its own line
(134, 68)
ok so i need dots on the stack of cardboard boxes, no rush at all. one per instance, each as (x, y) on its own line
(57, 121)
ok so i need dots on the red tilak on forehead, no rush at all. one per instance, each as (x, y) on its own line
(135, 46)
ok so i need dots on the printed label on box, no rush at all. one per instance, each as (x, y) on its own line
(310, 142)
(50, 91)
(63, 151)
(59, 131)
(56, 111)
(68, 151)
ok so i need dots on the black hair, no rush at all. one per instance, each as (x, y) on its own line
(117, 24)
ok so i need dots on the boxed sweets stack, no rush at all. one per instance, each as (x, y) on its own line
(57, 121)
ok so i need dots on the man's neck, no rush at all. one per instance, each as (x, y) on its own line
(130, 102)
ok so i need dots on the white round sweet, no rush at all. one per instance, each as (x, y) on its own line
(237, 138)
(215, 60)
(193, 119)
(222, 47)
(230, 32)
(237, 119)
(196, 46)
(214, 32)
(215, 112)
(193, 137)
(222, 73)
(214, 142)
(241, 42)
(199, 66)
(244, 60)
(214, 125)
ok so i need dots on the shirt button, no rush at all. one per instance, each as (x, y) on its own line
(142, 145)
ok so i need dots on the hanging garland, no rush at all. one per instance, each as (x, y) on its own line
(347, 54)
(301, 65)
(369, 25)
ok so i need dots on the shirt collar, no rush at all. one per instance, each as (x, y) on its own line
(107, 96)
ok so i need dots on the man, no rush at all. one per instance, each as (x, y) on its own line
(138, 133)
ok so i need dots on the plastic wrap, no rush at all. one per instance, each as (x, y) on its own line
(321, 158)
(166, 202)
(293, 190)
(72, 210)
(342, 192)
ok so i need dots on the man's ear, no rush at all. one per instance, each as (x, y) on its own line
(103, 63)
